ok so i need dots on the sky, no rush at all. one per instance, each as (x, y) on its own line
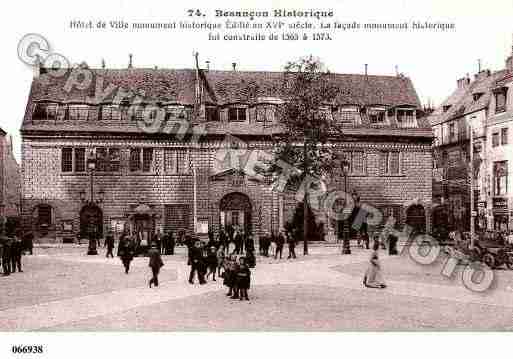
(434, 60)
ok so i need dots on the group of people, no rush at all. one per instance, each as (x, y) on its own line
(272, 245)
(11, 251)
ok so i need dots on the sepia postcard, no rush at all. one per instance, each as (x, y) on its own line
(265, 178)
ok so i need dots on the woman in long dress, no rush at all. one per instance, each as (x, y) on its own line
(373, 275)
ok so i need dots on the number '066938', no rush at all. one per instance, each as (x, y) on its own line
(27, 349)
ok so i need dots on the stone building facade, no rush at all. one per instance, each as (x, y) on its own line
(10, 187)
(483, 105)
(175, 162)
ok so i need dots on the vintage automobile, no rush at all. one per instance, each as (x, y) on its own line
(493, 250)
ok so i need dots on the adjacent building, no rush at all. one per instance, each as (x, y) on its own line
(10, 186)
(484, 105)
(174, 176)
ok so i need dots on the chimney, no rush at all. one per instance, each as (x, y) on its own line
(129, 61)
(103, 63)
(366, 66)
(482, 74)
(234, 65)
(397, 70)
(207, 65)
(463, 82)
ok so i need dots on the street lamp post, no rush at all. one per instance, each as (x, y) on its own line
(346, 248)
(91, 249)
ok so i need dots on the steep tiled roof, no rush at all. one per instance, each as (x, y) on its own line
(221, 87)
(462, 102)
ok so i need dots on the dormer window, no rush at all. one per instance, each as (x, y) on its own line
(265, 113)
(500, 99)
(405, 118)
(348, 115)
(176, 113)
(237, 114)
(48, 111)
(446, 108)
(476, 96)
(377, 116)
(78, 112)
(110, 112)
(211, 113)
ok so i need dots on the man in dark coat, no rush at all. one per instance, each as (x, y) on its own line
(291, 241)
(6, 254)
(155, 263)
(109, 243)
(196, 261)
(171, 243)
(16, 252)
(223, 239)
(126, 251)
(280, 241)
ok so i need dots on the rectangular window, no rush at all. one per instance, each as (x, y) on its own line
(211, 114)
(358, 162)
(176, 161)
(390, 163)
(110, 113)
(495, 139)
(170, 161)
(135, 159)
(79, 159)
(114, 160)
(147, 159)
(237, 114)
(504, 136)
(500, 100)
(452, 132)
(500, 178)
(405, 118)
(102, 160)
(67, 159)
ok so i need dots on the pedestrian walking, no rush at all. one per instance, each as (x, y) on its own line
(196, 261)
(155, 263)
(109, 243)
(243, 278)
(6, 254)
(373, 277)
(291, 241)
(126, 251)
(171, 243)
(16, 253)
(280, 241)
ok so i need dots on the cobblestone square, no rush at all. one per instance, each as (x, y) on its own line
(63, 289)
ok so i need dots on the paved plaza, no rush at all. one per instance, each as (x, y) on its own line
(63, 289)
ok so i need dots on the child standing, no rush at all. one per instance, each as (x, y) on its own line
(228, 280)
(220, 260)
(243, 279)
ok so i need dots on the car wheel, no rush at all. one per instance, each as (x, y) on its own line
(489, 260)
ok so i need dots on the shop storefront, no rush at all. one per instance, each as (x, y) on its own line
(500, 213)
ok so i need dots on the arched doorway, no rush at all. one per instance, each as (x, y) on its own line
(235, 210)
(91, 221)
(43, 218)
(416, 218)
